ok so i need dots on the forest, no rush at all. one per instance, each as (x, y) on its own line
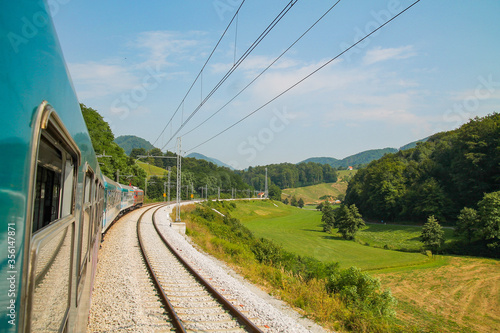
(288, 175)
(114, 160)
(197, 176)
(440, 177)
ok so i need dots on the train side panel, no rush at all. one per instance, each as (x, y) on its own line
(113, 203)
(138, 197)
(127, 197)
(51, 190)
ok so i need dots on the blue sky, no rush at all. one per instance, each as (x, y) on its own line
(429, 70)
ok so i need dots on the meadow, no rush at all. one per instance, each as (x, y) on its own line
(289, 226)
(152, 170)
(435, 294)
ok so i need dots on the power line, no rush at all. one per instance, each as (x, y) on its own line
(261, 73)
(200, 73)
(306, 77)
(270, 27)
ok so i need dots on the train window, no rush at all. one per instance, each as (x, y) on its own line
(54, 184)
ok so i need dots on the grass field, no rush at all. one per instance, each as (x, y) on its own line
(345, 175)
(455, 294)
(396, 237)
(152, 170)
(289, 226)
(311, 194)
(442, 294)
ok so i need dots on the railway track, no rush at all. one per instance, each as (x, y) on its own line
(192, 303)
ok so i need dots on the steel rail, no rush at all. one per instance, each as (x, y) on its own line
(176, 322)
(240, 317)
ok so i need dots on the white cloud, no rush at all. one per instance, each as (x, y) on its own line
(379, 54)
(94, 80)
(164, 48)
(149, 52)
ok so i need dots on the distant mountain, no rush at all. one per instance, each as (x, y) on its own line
(209, 159)
(356, 159)
(413, 144)
(129, 142)
(364, 157)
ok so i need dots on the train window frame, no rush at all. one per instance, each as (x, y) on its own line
(48, 127)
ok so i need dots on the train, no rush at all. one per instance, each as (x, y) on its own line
(55, 202)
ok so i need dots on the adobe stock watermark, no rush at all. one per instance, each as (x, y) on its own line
(257, 142)
(30, 26)
(222, 7)
(461, 111)
(379, 18)
(131, 100)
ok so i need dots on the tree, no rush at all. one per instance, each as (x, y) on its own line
(285, 201)
(293, 201)
(432, 234)
(489, 214)
(102, 140)
(328, 217)
(275, 192)
(348, 220)
(467, 223)
(300, 203)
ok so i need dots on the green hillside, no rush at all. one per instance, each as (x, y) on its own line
(129, 142)
(210, 159)
(312, 194)
(152, 170)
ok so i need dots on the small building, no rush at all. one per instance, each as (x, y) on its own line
(349, 168)
(261, 195)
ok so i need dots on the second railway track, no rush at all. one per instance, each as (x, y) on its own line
(193, 304)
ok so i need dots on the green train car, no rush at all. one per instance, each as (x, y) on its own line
(52, 192)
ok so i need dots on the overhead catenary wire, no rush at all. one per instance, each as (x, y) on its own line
(304, 78)
(269, 28)
(201, 72)
(265, 69)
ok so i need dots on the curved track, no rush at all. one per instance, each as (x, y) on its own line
(192, 303)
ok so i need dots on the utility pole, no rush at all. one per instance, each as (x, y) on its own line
(164, 191)
(218, 193)
(266, 193)
(206, 190)
(168, 184)
(179, 176)
(145, 186)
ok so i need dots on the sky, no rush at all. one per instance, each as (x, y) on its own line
(430, 69)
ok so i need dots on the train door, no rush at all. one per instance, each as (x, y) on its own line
(50, 224)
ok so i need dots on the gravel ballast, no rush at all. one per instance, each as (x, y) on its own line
(124, 299)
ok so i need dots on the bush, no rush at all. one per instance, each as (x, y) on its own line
(361, 291)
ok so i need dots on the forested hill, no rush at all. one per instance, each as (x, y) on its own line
(129, 142)
(450, 171)
(209, 159)
(362, 158)
(196, 173)
(115, 160)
